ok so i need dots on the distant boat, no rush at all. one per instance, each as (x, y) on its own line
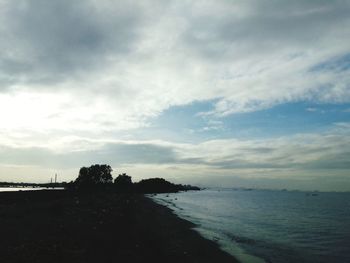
(312, 194)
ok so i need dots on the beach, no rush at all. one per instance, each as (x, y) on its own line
(64, 226)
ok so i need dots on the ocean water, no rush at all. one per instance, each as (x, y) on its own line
(269, 226)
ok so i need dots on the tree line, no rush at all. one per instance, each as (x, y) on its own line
(99, 177)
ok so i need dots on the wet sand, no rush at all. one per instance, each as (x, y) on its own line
(61, 226)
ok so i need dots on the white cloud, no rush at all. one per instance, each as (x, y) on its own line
(73, 75)
(277, 158)
(105, 65)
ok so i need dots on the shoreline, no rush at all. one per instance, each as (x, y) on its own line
(223, 242)
(62, 226)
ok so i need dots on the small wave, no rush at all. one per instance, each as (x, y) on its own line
(240, 239)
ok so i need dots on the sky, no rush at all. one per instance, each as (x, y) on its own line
(230, 93)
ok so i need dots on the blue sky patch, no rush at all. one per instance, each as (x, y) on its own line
(184, 123)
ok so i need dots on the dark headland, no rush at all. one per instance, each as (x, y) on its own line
(97, 226)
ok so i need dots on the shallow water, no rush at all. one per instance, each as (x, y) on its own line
(270, 226)
(16, 189)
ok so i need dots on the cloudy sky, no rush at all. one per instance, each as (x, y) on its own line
(246, 93)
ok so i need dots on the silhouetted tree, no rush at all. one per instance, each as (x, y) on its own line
(123, 183)
(98, 174)
(99, 177)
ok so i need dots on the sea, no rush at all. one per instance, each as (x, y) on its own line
(270, 226)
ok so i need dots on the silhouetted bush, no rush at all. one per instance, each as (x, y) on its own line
(160, 185)
(156, 185)
(123, 183)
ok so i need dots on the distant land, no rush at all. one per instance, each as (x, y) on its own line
(99, 177)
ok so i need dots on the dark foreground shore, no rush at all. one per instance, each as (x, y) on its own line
(61, 226)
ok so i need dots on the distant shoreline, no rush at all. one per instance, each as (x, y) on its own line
(27, 188)
(62, 226)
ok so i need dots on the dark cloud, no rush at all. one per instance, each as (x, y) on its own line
(337, 161)
(258, 150)
(112, 153)
(260, 27)
(179, 51)
(140, 153)
(244, 164)
(52, 40)
(25, 156)
(120, 153)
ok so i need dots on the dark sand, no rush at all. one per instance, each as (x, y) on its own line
(60, 226)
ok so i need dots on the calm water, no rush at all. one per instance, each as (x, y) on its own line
(16, 189)
(270, 226)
